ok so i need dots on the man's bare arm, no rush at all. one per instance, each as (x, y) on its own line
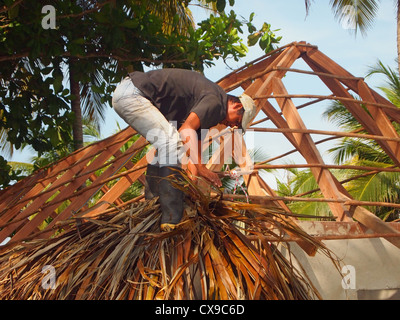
(191, 142)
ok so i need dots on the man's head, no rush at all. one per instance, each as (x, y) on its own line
(240, 111)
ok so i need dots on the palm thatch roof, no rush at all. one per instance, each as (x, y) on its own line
(122, 255)
(72, 222)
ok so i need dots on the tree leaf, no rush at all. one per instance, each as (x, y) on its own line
(221, 4)
(253, 38)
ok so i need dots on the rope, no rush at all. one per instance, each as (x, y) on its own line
(234, 175)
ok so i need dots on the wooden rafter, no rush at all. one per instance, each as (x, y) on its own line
(70, 186)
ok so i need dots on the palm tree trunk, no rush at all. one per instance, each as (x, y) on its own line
(77, 131)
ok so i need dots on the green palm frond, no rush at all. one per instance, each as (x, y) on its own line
(25, 168)
(92, 93)
(307, 184)
(378, 187)
(7, 148)
(350, 148)
(91, 130)
(299, 182)
(392, 88)
(175, 14)
(338, 114)
(386, 188)
(357, 14)
(312, 209)
(364, 12)
(307, 4)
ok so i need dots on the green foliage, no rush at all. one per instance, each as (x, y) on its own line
(364, 12)
(4, 173)
(378, 187)
(10, 172)
(265, 37)
(392, 83)
(299, 182)
(382, 186)
(105, 40)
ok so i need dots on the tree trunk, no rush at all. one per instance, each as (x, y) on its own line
(77, 130)
(398, 35)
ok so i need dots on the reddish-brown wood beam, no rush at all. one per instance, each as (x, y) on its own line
(310, 152)
(254, 183)
(79, 202)
(333, 230)
(13, 194)
(329, 66)
(326, 166)
(371, 221)
(394, 115)
(14, 207)
(243, 159)
(356, 110)
(48, 175)
(266, 199)
(338, 134)
(124, 183)
(331, 97)
(64, 188)
(246, 77)
(37, 203)
(251, 71)
(382, 121)
(261, 86)
(321, 63)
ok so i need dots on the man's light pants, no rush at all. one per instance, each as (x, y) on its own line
(130, 104)
(147, 120)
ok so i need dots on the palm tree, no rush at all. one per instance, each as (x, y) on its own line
(6, 147)
(381, 186)
(298, 182)
(363, 14)
(88, 100)
(339, 115)
(377, 187)
(90, 133)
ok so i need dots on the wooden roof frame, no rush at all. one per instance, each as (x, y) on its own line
(67, 187)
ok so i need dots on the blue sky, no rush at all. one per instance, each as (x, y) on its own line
(319, 28)
(354, 53)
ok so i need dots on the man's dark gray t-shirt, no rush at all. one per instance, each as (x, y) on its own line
(178, 92)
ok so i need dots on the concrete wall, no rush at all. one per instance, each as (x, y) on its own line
(369, 268)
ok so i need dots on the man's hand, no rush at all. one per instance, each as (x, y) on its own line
(212, 177)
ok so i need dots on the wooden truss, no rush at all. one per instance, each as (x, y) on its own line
(93, 179)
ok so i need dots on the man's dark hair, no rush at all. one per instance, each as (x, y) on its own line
(234, 99)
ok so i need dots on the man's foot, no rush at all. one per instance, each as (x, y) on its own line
(171, 198)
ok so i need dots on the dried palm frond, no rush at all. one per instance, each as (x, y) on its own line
(124, 256)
